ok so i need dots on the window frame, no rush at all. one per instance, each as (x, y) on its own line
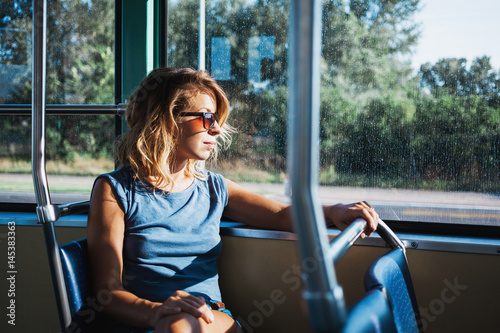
(133, 52)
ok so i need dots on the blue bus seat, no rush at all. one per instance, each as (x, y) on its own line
(391, 273)
(75, 263)
(371, 314)
(87, 315)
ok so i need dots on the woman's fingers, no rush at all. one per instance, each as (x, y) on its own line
(193, 305)
(207, 314)
(370, 216)
(359, 210)
(169, 310)
(198, 310)
(163, 311)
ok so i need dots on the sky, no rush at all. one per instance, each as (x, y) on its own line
(458, 28)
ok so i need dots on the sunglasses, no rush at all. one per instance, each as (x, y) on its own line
(209, 118)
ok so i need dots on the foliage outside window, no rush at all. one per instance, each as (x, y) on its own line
(383, 124)
(80, 70)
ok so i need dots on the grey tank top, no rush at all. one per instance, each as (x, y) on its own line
(171, 240)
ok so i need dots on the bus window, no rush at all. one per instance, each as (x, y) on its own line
(408, 124)
(410, 111)
(15, 63)
(80, 71)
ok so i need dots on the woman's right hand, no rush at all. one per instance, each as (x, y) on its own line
(181, 301)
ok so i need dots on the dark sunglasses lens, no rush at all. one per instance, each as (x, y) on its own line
(209, 120)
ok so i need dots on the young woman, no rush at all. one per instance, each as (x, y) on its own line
(153, 227)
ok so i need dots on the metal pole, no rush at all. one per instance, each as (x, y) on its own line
(201, 53)
(38, 109)
(65, 109)
(201, 37)
(46, 212)
(340, 245)
(323, 294)
(57, 275)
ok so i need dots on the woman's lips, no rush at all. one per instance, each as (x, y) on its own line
(210, 145)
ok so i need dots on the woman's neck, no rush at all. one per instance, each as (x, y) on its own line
(180, 181)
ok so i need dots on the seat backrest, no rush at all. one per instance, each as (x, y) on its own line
(391, 273)
(371, 314)
(75, 263)
(86, 314)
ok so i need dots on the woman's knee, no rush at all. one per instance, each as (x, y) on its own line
(181, 322)
(185, 323)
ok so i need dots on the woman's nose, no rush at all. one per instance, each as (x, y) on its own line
(216, 129)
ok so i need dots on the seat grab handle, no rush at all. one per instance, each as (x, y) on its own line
(340, 245)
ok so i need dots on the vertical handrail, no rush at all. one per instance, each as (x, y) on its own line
(201, 38)
(46, 212)
(323, 294)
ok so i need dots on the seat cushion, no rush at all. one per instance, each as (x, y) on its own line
(371, 314)
(390, 272)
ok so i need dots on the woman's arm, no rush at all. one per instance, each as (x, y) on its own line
(256, 210)
(105, 233)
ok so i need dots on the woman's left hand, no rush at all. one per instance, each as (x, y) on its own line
(342, 215)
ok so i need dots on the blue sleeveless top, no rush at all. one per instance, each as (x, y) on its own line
(171, 240)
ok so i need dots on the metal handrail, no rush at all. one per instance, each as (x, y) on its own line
(73, 208)
(323, 294)
(46, 212)
(340, 245)
(389, 236)
(65, 109)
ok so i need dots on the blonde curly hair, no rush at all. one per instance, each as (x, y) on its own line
(149, 145)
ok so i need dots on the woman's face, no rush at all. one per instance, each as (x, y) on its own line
(196, 142)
